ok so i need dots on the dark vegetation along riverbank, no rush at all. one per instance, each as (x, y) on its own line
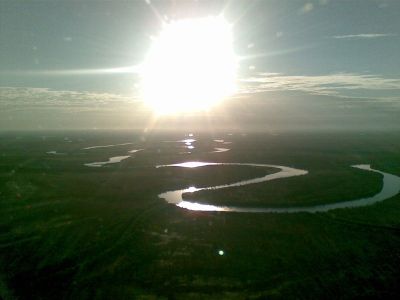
(75, 232)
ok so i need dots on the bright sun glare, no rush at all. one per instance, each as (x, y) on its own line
(191, 66)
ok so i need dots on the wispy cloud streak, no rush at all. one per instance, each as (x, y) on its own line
(364, 36)
(74, 72)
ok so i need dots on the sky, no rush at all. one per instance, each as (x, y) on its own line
(318, 64)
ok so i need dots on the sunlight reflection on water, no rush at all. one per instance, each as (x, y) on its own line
(190, 164)
(111, 160)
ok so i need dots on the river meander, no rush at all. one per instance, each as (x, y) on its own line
(391, 187)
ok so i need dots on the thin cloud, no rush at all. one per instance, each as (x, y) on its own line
(343, 85)
(27, 97)
(364, 36)
(42, 108)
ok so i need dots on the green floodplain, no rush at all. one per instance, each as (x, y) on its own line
(70, 231)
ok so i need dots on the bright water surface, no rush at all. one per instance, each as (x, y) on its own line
(111, 160)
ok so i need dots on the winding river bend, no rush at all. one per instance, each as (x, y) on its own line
(391, 187)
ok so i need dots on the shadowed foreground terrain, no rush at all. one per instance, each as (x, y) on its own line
(72, 231)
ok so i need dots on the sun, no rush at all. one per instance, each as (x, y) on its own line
(190, 66)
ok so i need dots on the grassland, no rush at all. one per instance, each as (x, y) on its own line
(74, 232)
